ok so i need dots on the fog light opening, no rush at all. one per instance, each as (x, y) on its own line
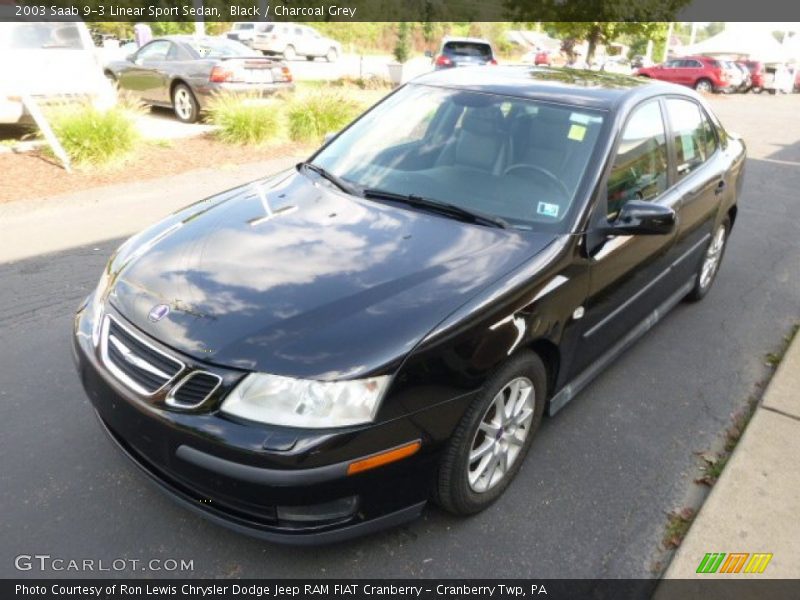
(318, 514)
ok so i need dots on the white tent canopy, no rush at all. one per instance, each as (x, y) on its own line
(758, 45)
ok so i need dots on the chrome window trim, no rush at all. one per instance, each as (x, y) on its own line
(118, 373)
(172, 402)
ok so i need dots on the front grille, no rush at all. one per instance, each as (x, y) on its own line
(193, 390)
(135, 362)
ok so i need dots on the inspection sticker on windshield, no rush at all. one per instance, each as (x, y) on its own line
(547, 209)
(576, 132)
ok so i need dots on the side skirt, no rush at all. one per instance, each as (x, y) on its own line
(570, 390)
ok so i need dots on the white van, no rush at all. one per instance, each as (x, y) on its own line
(49, 61)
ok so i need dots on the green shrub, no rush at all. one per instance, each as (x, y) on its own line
(402, 48)
(247, 120)
(319, 113)
(94, 137)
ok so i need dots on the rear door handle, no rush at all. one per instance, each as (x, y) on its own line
(720, 187)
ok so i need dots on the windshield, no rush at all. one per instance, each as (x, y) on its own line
(34, 36)
(516, 159)
(476, 49)
(219, 48)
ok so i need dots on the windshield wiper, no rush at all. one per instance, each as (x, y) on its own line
(443, 208)
(334, 179)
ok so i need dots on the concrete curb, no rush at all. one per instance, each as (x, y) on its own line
(30, 228)
(754, 506)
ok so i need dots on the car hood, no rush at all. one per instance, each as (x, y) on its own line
(330, 286)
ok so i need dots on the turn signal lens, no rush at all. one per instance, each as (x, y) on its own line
(383, 458)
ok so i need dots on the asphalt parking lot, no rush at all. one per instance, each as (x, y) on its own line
(591, 500)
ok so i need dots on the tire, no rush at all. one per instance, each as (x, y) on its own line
(757, 90)
(309, 58)
(110, 76)
(706, 271)
(332, 55)
(704, 86)
(289, 53)
(184, 104)
(465, 486)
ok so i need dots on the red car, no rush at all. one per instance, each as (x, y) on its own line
(542, 58)
(699, 72)
(756, 69)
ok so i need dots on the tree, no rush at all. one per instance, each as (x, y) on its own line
(597, 33)
(401, 48)
(611, 18)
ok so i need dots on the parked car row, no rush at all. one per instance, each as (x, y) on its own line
(709, 74)
(289, 40)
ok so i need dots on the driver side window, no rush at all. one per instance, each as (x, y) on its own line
(154, 51)
(640, 167)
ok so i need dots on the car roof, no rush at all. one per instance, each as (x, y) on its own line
(192, 38)
(592, 89)
(469, 40)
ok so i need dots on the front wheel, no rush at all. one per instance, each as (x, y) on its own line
(488, 447)
(185, 104)
(289, 53)
(709, 268)
(331, 55)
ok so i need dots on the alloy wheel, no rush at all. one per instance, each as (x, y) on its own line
(712, 258)
(184, 105)
(501, 435)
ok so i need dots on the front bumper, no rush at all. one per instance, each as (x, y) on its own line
(229, 471)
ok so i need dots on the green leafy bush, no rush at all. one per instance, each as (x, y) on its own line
(95, 137)
(319, 113)
(245, 119)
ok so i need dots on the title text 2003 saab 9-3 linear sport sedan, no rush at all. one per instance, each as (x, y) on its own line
(314, 355)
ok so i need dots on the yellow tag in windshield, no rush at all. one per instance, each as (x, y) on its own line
(577, 132)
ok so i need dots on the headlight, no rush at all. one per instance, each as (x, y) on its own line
(302, 403)
(96, 304)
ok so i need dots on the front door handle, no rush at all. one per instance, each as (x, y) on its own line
(720, 187)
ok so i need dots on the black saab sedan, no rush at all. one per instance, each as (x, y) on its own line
(317, 354)
(184, 72)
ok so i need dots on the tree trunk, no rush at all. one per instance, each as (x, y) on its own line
(594, 40)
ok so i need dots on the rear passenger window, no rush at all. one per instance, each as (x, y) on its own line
(694, 138)
(640, 167)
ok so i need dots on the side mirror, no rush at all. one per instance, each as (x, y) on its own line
(638, 217)
(131, 57)
(428, 54)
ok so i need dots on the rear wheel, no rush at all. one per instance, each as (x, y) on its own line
(712, 259)
(185, 104)
(704, 85)
(487, 449)
(290, 53)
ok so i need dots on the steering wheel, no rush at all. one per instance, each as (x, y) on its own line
(559, 184)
